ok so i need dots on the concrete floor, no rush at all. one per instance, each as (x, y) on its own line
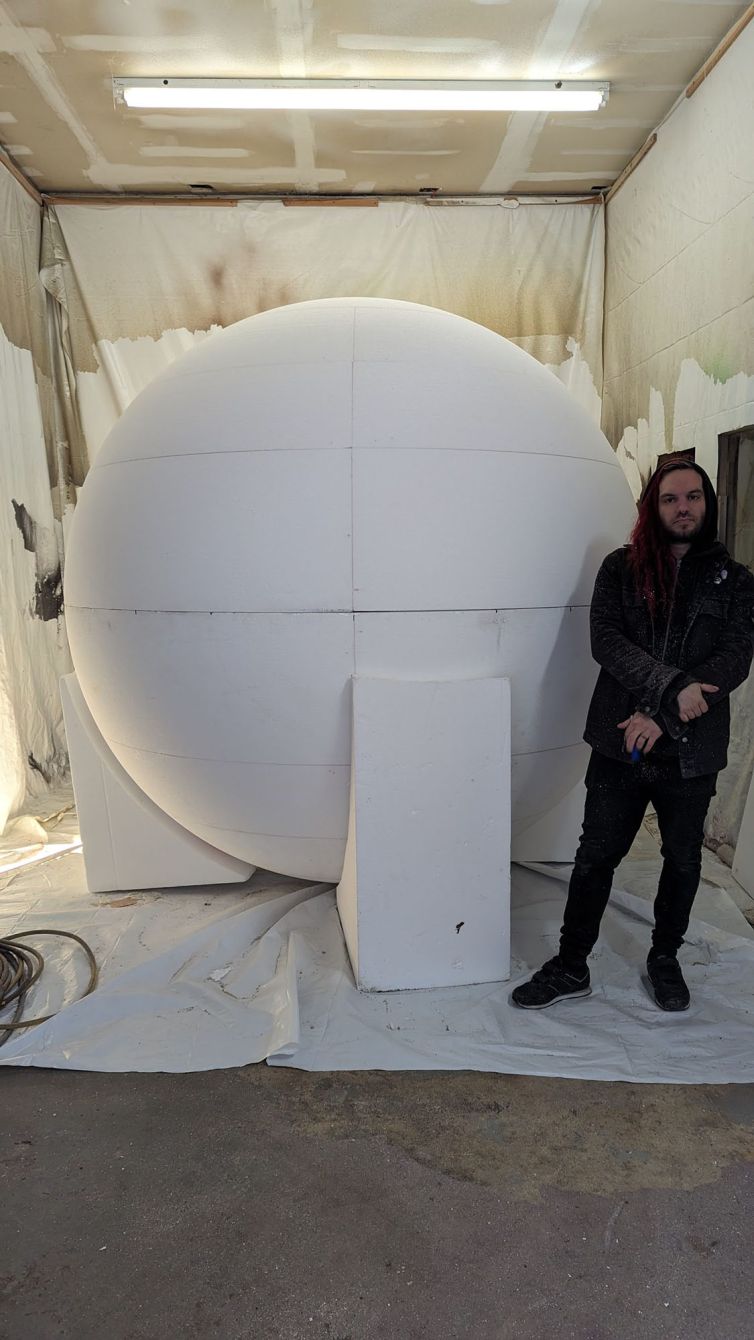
(271, 1204)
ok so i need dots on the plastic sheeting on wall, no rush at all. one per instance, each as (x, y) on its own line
(140, 284)
(33, 651)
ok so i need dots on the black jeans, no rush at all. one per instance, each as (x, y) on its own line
(617, 797)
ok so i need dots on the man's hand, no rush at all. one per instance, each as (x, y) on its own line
(640, 732)
(691, 701)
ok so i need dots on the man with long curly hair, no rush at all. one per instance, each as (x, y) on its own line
(672, 625)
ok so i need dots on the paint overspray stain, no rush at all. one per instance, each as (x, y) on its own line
(40, 541)
(223, 280)
(36, 766)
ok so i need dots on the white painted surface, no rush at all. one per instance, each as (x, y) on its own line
(225, 582)
(425, 894)
(129, 843)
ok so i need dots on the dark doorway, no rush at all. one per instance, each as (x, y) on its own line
(735, 493)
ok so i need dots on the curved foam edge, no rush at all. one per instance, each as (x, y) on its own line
(128, 841)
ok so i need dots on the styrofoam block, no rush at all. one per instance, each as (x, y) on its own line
(387, 412)
(273, 688)
(543, 652)
(310, 801)
(184, 416)
(269, 550)
(429, 503)
(229, 524)
(128, 842)
(413, 333)
(540, 780)
(87, 755)
(554, 837)
(424, 896)
(315, 858)
(323, 334)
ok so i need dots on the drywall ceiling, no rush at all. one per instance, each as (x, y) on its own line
(59, 121)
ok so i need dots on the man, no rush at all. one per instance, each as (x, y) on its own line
(672, 625)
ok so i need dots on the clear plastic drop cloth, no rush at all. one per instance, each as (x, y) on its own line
(201, 979)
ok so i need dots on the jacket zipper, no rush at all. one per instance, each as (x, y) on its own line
(670, 611)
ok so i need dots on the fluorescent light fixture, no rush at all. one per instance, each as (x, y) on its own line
(365, 95)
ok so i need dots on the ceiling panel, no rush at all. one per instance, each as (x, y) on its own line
(59, 121)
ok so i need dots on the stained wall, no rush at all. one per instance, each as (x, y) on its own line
(679, 315)
(137, 285)
(33, 650)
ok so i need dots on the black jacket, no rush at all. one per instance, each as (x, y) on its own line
(708, 637)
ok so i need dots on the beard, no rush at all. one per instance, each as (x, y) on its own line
(684, 534)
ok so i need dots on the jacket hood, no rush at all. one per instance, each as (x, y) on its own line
(706, 542)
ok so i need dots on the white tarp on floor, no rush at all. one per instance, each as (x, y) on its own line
(209, 978)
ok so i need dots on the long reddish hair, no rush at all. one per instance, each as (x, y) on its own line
(649, 556)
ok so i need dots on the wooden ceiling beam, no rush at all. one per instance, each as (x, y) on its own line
(12, 167)
(720, 51)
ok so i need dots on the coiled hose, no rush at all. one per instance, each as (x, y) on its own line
(21, 966)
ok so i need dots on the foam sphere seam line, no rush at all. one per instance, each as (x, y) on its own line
(343, 488)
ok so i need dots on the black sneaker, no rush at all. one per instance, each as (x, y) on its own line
(671, 992)
(552, 982)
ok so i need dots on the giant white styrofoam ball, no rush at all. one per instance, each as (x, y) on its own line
(340, 487)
